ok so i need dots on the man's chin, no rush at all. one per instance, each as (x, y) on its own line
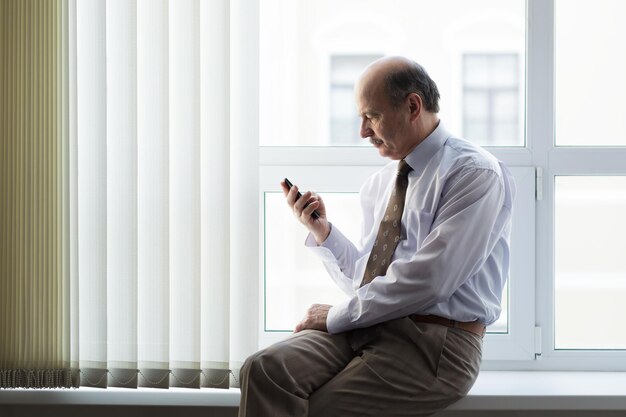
(384, 151)
(381, 150)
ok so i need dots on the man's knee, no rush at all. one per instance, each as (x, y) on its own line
(265, 364)
(252, 365)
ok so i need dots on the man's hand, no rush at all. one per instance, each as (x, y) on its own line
(320, 228)
(315, 318)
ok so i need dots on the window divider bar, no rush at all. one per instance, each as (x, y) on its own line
(540, 139)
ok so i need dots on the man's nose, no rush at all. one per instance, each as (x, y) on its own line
(366, 130)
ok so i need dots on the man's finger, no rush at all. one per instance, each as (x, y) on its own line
(309, 210)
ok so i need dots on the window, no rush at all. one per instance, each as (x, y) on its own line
(590, 60)
(527, 80)
(490, 99)
(344, 120)
(311, 55)
(321, 48)
(587, 178)
(590, 273)
(293, 279)
(307, 46)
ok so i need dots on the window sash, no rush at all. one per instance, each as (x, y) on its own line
(540, 151)
(514, 345)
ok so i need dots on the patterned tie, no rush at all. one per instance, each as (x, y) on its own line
(389, 230)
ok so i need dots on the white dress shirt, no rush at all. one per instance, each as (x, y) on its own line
(453, 258)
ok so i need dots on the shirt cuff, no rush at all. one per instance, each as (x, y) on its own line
(332, 248)
(322, 252)
(338, 318)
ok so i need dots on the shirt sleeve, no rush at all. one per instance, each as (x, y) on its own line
(338, 255)
(460, 240)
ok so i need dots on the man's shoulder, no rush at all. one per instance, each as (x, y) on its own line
(463, 153)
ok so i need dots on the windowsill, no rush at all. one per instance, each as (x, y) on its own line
(494, 390)
(541, 390)
(205, 397)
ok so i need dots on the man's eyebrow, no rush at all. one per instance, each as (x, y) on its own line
(370, 112)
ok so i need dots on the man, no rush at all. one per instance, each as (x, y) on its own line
(424, 282)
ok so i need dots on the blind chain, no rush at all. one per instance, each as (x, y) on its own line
(169, 371)
(186, 382)
(123, 383)
(90, 381)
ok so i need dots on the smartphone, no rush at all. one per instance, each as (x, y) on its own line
(315, 214)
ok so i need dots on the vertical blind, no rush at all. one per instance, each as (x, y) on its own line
(34, 228)
(152, 292)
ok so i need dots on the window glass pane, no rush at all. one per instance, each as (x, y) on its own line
(476, 71)
(505, 131)
(344, 122)
(590, 271)
(476, 105)
(342, 102)
(479, 130)
(505, 70)
(295, 277)
(590, 66)
(345, 69)
(492, 100)
(343, 131)
(505, 106)
(306, 46)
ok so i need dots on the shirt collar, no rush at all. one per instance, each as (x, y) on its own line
(419, 157)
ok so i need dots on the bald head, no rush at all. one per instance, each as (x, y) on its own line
(398, 77)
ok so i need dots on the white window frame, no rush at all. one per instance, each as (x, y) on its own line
(531, 346)
(517, 344)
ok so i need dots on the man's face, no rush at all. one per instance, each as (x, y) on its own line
(383, 125)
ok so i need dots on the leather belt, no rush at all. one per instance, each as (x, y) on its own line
(475, 327)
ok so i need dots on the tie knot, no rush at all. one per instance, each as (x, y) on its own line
(403, 168)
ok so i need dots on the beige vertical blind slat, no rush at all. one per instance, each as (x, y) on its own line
(64, 131)
(73, 181)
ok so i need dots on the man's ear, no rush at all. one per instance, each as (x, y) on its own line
(415, 106)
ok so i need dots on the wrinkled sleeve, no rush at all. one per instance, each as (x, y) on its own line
(338, 254)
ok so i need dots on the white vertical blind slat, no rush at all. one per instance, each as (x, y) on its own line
(92, 195)
(244, 156)
(121, 43)
(153, 183)
(184, 151)
(150, 159)
(215, 173)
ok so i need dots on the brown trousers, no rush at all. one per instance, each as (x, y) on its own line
(397, 368)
